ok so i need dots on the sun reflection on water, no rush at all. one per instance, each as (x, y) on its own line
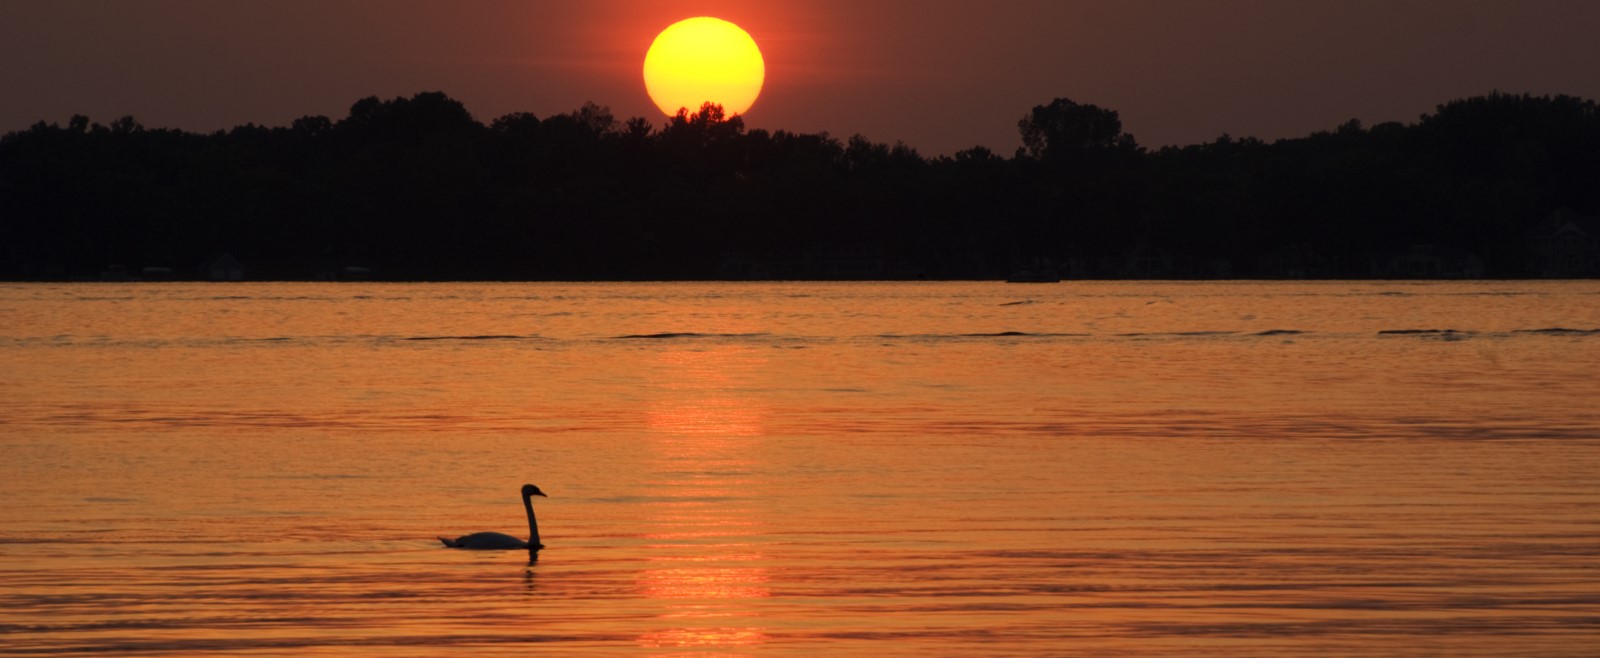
(711, 417)
(705, 438)
(706, 583)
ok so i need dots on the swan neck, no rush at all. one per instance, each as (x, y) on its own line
(533, 524)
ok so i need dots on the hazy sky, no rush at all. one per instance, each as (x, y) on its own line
(940, 75)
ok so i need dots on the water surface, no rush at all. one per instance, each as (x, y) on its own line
(1230, 469)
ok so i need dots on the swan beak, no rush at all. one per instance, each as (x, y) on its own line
(540, 494)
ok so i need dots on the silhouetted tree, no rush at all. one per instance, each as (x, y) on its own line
(1063, 127)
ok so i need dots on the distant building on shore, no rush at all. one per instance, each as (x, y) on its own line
(1564, 245)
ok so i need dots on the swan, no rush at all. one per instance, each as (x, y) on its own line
(495, 541)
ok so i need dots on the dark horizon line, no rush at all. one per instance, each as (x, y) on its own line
(682, 111)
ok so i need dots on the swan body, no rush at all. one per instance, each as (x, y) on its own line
(485, 541)
(497, 541)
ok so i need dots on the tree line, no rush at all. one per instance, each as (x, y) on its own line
(416, 188)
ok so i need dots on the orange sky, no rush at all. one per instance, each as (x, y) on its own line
(940, 75)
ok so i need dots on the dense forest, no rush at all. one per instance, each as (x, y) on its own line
(416, 188)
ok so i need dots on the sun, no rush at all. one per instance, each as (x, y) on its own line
(704, 60)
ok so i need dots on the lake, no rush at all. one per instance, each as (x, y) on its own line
(977, 469)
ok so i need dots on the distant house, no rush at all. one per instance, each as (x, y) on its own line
(1426, 261)
(223, 268)
(1564, 245)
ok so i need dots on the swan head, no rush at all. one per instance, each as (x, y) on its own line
(530, 490)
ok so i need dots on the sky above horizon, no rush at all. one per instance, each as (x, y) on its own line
(939, 75)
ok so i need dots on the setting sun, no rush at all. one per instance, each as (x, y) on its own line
(701, 60)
